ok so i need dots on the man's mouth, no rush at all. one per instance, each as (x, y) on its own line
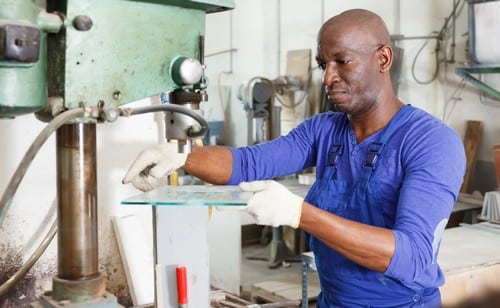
(333, 94)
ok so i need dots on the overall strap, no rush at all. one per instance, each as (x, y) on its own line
(336, 149)
(375, 148)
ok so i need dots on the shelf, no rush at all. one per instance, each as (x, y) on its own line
(467, 72)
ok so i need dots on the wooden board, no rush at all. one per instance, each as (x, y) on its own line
(274, 291)
(496, 160)
(470, 259)
(472, 139)
(473, 133)
(473, 286)
(137, 258)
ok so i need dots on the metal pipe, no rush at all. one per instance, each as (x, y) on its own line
(279, 38)
(77, 202)
(423, 37)
(397, 27)
(453, 29)
(322, 11)
(201, 46)
(230, 50)
(231, 42)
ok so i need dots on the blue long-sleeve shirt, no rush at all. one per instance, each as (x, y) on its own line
(419, 188)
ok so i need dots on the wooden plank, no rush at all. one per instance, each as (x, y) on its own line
(468, 247)
(470, 199)
(470, 260)
(474, 286)
(274, 291)
(473, 134)
(137, 258)
(496, 160)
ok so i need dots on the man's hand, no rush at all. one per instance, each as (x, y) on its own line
(152, 164)
(273, 204)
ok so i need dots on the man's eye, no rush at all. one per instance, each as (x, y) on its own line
(322, 66)
(344, 61)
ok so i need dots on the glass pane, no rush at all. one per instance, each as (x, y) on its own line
(192, 195)
(216, 195)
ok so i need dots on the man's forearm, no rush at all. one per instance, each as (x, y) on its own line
(368, 246)
(212, 164)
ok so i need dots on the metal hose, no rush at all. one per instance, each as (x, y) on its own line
(57, 122)
(6, 200)
(172, 108)
(31, 261)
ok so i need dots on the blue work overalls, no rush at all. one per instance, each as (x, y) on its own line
(351, 285)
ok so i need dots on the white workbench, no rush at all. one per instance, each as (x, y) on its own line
(470, 259)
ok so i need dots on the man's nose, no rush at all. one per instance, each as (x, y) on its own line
(330, 74)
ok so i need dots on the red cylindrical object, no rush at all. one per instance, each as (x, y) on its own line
(182, 296)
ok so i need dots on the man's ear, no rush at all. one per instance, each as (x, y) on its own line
(384, 54)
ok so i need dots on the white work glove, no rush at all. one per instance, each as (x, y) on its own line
(154, 164)
(273, 204)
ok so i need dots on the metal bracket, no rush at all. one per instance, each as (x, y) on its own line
(466, 72)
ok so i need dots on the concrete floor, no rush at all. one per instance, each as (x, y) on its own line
(255, 271)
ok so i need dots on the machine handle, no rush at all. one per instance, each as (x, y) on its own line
(182, 298)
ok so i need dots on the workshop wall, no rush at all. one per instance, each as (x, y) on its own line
(262, 32)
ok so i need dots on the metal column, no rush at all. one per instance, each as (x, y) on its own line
(78, 276)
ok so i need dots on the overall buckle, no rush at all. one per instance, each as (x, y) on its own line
(373, 152)
(334, 153)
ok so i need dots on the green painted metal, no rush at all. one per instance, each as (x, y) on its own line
(466, 72)
(127, 53)
(22, 85)
(209, 6)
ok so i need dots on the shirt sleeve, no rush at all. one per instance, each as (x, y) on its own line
(279, 157)
(434, 165)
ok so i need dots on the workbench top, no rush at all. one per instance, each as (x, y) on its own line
(470, 259)
(469, 246)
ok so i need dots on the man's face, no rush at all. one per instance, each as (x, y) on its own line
(351, 73)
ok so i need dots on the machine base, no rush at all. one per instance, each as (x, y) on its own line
(108, 300)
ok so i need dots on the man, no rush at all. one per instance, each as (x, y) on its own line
(388, 175)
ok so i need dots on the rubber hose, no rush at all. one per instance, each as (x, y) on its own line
(30, 154)
(172, 108)
(31, 261)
